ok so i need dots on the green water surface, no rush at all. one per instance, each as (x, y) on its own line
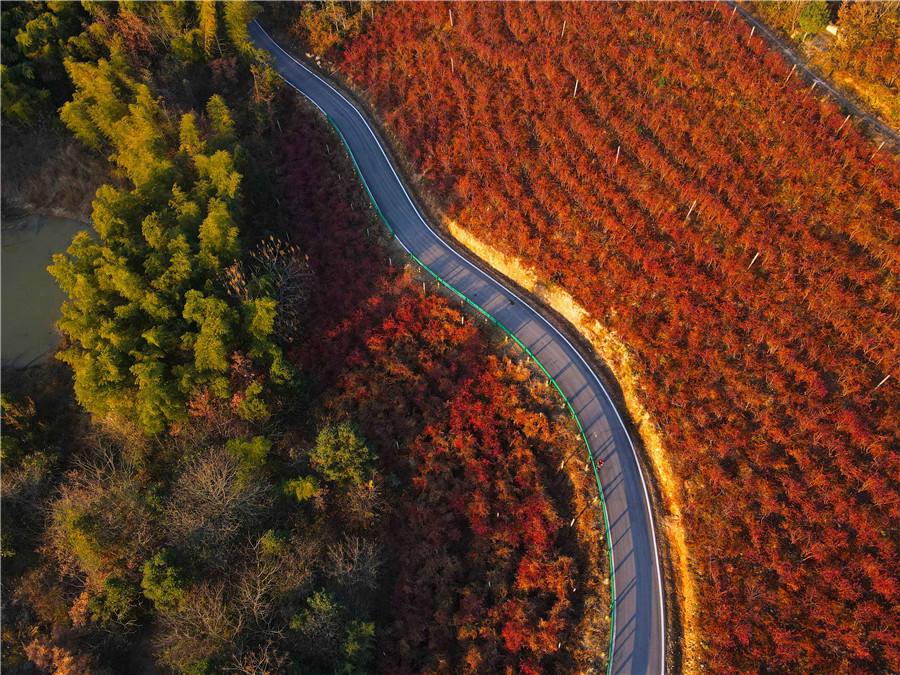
(30, 297)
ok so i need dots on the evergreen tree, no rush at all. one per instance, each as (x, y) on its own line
(814, 16)
(36, 36)
(237, 17)
(163, 582)
(148, 322)
(341, 455)
(209, 26)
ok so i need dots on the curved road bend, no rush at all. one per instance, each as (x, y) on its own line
(639, 641)
(810, 75)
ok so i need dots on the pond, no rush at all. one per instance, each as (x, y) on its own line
(30, 297)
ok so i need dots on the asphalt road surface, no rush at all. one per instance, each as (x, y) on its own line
(639, 640)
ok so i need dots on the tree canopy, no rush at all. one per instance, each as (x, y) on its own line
(148, 321)
(36, 36)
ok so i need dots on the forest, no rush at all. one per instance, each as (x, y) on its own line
(487, 575)
(738, 233)
(267, 444)
(862, 55)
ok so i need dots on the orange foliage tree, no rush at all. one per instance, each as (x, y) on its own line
(484, 572)
(738, 235)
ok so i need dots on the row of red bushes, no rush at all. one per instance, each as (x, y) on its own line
(705, 204)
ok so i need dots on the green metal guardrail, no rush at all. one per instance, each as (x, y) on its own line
(479, 308)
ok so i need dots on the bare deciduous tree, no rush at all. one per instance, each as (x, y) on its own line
(203, 625)
(281, 271)
(102, 505)
(264, 660)
(244, 609)
(361, 504)
(354, 562)
(269, 575)
(211, 503)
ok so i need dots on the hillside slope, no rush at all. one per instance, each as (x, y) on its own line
(664, 167)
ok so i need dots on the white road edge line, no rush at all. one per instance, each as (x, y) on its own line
(662, 621)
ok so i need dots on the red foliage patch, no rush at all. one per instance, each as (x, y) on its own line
(480, 575)
(713, 212)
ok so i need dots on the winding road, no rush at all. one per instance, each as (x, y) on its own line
(639, 641)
